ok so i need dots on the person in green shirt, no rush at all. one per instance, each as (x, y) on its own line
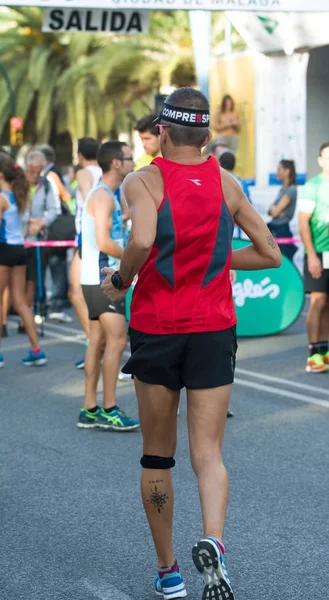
(150, 137)
(314, 231)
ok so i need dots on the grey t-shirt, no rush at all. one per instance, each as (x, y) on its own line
(290, 191)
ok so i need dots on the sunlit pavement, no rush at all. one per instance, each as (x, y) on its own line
(72, 526)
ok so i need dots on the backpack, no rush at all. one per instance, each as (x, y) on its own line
(63, 228)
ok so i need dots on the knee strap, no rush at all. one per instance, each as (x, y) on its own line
(157, 462)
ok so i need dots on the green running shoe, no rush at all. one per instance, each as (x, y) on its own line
(116, 420)
(87, 419)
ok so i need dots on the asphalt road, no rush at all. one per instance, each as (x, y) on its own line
(72, 526)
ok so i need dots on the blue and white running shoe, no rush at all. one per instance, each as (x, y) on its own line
(209, 560)
(169, 584)
(80, 364)
(35, 360)
(1, 361)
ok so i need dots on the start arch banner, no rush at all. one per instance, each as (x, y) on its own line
(217, 5)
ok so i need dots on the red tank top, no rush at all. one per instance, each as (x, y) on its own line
(184, 286)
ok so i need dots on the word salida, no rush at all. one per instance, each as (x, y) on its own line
(249, 289)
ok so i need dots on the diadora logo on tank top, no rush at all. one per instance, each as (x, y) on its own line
(196, 181)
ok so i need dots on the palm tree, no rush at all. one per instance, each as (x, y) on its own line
(90, 84)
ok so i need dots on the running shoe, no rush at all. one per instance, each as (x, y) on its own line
(21, 329)
(326, 358)
(61, 317)
(169, 584)
(80, 364)
(35, 360)
(209, 560)
(316, 364)
(124, 377)
(87, 419)
(2, 362)
(4, 331)
(116, 420)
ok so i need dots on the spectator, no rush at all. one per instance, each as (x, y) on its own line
(226, 160)
(53, 173)
(150, 138)
(71, 184)
(14, 200)
(43, 211)
(57, 256)
(227, 125)
(284, 206)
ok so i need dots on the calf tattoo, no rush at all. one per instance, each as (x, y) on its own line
(158, 499)
(271, 242)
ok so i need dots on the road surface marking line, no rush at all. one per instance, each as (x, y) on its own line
(295, 384)
(279, 392)
(65, 338)
(61, 328)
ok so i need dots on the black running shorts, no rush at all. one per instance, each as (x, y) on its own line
(12, 255)
(99, 304)
(191, 360)
(316, 285)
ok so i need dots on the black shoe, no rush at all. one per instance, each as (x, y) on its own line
(229, 414)
(4, 331)
(21, 329)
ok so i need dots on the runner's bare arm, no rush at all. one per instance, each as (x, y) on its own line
(264, 252)
(3, 205)
(305, 232)
(314, 263)
(143, 214)
(101, 207)
(85, 182)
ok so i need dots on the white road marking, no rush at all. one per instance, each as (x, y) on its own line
(56, 326)
(65, 338)
(287, 382)
(279, 392)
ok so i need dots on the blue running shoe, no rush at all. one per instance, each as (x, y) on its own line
(36, 360)
(169, 584)
(117, 420)
(209, 560)
(80, 364)
(1, 361)
(87, 419)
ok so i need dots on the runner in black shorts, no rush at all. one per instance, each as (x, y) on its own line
(183, 324)
(314, 230)
(102, 243)
(14, 199)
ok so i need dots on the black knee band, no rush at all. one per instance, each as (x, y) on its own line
(157, 462)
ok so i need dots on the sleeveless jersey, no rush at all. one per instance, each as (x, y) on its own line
(184, 286)
(11, 228)
(96, 174)
(93, 260)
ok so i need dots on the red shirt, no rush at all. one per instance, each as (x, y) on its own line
(184, 286)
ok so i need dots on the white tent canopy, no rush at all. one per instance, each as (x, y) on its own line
(264, 32)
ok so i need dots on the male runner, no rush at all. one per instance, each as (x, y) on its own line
(314, 231)
(102, 235)
(87, 177)
(150, 138)
(183, 324)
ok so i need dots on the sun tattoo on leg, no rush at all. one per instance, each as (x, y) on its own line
(158, 499)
